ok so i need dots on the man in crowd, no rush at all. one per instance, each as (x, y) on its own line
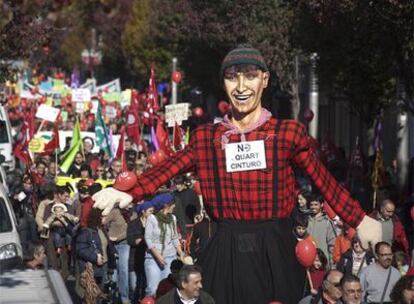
(57, 262)
(116, 168)
(321, 228)
(330, 291)
(392, 229)
(379, 278)
(189, 288)
(351, 290)
(251, 258)
(130, 152)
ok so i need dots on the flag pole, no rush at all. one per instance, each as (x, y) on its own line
(82, 148)
(56, 162)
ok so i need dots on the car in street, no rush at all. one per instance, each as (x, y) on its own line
(11, 253)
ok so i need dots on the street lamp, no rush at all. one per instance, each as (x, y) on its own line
(92, 57)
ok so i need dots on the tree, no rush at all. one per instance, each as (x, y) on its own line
(24, 29)
(211, 28)
(365, 49)
(146, 40)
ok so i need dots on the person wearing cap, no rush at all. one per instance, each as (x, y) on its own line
(135, 238)
(162, 239)
(245, 166)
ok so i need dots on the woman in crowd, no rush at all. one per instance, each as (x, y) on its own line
(135, 237)
(94, 247)
(25, 202)
(355, 259)
(163, 242)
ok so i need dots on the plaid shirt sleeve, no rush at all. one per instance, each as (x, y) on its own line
(150, 181)
(336, 195)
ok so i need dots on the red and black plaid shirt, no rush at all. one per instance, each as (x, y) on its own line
(257, 194)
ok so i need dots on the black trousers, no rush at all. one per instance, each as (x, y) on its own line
(253, 262)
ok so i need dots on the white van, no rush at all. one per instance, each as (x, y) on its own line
(11, 253)
(6, 140)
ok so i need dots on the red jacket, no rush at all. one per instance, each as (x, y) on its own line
(399, 237)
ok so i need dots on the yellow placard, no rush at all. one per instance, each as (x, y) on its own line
(36, 145)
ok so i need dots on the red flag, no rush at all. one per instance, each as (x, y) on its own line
(120, 153)
(132, 129)
(31, 123)
(162, 137)
(177, 135)
(22, 143)
(53, 144)
(160, 132)
(152, 95)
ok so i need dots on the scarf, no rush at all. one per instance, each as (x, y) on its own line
(265, 115)
(164, 220)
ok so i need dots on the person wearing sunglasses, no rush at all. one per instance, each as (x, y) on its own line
(330, 290)
(355, 259)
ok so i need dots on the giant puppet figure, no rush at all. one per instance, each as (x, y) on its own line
(244, 164)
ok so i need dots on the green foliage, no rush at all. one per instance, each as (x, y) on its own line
(145, 40)
(361, 46)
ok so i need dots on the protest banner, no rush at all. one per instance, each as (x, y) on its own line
(176, 113)
(46, 112)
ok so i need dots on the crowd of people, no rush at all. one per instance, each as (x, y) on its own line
(242, 227)
(143, 248)
(57, 215)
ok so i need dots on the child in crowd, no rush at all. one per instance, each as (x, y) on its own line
(300, 228)
(401, 262)
(318, 270)
(58, 223)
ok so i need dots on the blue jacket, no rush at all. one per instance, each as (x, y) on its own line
(88, 245)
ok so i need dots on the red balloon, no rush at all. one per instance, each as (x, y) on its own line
(223, 107)
(329, 211)
(198, 112)
(197, 188)
(412, 213)
(152, 159)
(160, 155)
(305, 253)
(308, 115)
(125, 181)
(176, 76)
(147, 300)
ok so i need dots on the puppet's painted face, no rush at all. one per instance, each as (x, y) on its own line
(244, 89)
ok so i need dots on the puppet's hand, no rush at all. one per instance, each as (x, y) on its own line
(108, 197)
(369, 232)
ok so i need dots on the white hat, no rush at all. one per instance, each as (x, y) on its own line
(59, 205)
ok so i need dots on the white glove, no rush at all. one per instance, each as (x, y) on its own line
(369, 232)
(108, 197)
